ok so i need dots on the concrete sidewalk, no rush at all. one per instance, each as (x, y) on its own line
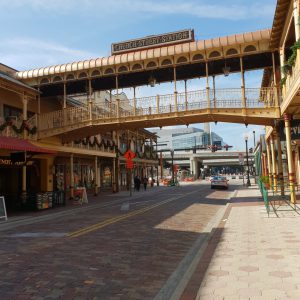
(249, 255)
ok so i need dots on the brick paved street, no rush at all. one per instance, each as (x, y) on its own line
(117, 254)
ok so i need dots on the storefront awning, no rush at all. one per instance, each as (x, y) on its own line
(16, 144)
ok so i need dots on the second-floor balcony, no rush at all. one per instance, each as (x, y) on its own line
(290, 81)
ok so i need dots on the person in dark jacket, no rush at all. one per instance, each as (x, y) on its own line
(137, 183)
(145, 182)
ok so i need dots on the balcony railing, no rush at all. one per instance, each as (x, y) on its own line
(292, 80)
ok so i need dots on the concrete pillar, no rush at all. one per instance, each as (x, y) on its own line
(289, 153)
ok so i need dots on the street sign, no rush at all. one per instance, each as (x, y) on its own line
(129, 155)
(129, 164)
(241, 158)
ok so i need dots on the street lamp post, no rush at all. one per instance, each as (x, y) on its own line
(172, 156)
(253, 139)
(247, 159)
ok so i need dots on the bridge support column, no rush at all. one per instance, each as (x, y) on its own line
(157, 104)
(207, 86)
(71, 176)
(118, 100)
(90, 100)
(269, 162)
(185, 95)
(65, 96)
(175, 91)
(274, 174)
(279, 160)
(243, 83)
(289, 153)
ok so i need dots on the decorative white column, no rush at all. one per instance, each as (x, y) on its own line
(279, 160)
(289, 153)
(274, 175)
(269, 162)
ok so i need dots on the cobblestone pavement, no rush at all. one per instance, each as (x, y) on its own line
(250, 256)
(106, 251)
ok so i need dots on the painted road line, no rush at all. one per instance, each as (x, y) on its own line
(113, 220)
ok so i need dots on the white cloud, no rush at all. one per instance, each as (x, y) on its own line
(27, 53)
(203, 9)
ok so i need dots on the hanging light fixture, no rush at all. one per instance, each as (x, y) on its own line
(226, 70)
(152, 80)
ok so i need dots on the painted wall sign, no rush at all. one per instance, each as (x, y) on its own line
(295, 130)
(153, 41)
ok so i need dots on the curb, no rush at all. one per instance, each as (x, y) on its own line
(179, 279)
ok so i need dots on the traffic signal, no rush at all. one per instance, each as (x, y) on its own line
(251, 150)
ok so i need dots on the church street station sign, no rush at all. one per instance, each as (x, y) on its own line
(152, 41)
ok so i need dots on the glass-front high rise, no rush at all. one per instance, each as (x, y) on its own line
(185, 139)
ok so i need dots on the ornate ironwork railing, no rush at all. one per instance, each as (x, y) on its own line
(160, 104)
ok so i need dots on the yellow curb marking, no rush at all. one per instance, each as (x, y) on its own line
(115, 219)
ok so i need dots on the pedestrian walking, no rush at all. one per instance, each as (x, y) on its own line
(145, 182)
(137, 183)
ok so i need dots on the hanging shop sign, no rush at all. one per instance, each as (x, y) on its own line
(152, 41)
(295, 130)
(3, 214)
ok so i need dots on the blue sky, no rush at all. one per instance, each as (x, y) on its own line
(38, 33)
